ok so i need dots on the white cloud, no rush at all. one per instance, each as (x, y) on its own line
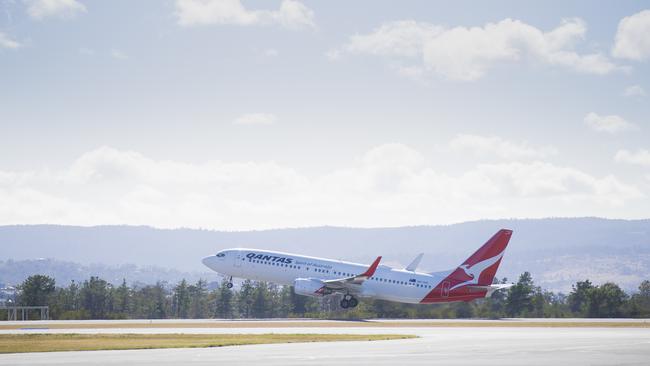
(389, 185)
(411, 72)
(6, 42)
(640, 157)
(271, 52)
(611, 123)
(495, 146)
(632, 40)
(462, 53)
(40, 9)
(255, 119)
(333, 55)
(119, 55)
(400, 38)
(292, 14)
(539, 179)
(634, 91)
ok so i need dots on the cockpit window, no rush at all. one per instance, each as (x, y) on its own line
(221, 254)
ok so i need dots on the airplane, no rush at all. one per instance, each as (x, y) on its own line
(319, 277)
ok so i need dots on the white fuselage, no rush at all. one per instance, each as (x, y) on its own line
(284, 268)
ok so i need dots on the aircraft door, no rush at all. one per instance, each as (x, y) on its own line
(239, 258)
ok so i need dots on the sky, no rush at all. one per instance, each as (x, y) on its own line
(236, 115)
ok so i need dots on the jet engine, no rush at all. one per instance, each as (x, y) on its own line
(310, 287)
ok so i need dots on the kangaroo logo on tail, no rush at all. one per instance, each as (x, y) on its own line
(474, 271)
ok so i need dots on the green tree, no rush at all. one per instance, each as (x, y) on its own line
(538, 302)
(463, 310)
(640, 302)
(519, 301)
(36, 290)
(122, 299)
(152, 302)
(181, 300)
(605, 301)
(96, 297)
(66, 303)
(555, 305)
(389, 309)
(224, 306)
(644, 289)
(579, 297)
(245, 299)
(494, 306)
(261, 306)
(198, 300)
(285, 306)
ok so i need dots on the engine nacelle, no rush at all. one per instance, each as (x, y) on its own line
(310, 287)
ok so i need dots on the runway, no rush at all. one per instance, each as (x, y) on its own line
(471, 343)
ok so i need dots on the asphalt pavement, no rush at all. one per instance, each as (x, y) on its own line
(436, 345)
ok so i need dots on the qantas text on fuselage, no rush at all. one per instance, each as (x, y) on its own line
(317, 277)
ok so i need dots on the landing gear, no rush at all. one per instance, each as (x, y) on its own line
(229, 284)
(349, 301)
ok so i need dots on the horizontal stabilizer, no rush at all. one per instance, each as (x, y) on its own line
(491, 288)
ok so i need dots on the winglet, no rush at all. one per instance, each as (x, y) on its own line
(371, 270)
(416, 262)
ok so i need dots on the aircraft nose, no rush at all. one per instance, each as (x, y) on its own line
(210, 262)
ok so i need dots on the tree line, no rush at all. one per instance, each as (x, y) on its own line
(95, 298)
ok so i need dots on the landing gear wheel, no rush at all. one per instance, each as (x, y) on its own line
(353, 302)
(345, 304)
(229, 285)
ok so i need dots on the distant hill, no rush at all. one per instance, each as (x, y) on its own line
(557, 251)
(14, 272)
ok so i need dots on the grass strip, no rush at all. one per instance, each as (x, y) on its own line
(20, 343)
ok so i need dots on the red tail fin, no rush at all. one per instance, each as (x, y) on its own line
(485, 261)
(479, 269)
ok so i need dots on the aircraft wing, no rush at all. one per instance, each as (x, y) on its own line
(349, 282)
